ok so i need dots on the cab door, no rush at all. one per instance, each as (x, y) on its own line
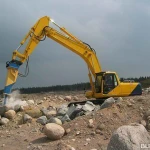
(98, 83)
(110, 84)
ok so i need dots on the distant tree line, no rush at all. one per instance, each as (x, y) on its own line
(73, 87)
(145, 81)
(140, 79)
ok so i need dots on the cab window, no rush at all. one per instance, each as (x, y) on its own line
(98, 82)
(110, 83)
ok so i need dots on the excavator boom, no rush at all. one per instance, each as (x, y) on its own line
(38, 33)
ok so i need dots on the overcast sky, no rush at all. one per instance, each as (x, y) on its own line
(119, 31)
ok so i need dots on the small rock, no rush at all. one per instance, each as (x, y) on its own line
(39, 147)
(88, 139)
(17, 107)
(147, 113)
(4, 121)
(10, 114)
(67, 130)
(141, 109)
(27, 118)
(54, 120)
(120, 99)
(98, 131)
(105, 138)
(68, 98)
(129, 104)
(23, 108)
(42, 120)
(53, 131)
(63, 146)
(90, 124)
(86, 144)
(44, 111)
(97, 107)
(140, 99)
(141, 114)
(44, 98)
(60, 117)
(132, 101)
(148, 126)
(40, 102)
(75, 98)
(93, 133)
(30, 102)
(148, 118)
(78, 132)
(60, 98)
(62, 110)
(51, 113)
(65, 118)
(101, 126)
(143, 122)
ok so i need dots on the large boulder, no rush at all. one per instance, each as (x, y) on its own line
(10, 114)
(34, 112)
(107, 103)
(4, 121)
(129, 138)
(53, 131)
(89, 106)
(73, 111)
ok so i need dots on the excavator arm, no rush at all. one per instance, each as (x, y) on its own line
(38, 33)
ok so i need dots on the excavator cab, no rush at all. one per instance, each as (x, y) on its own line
(107, 84)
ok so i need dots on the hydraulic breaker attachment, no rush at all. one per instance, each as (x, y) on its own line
(12, 74)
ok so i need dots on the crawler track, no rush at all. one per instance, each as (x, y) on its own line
(94, 101)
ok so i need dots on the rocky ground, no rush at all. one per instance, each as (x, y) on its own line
(90, 129)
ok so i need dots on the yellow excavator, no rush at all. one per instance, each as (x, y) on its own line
(106, 84)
